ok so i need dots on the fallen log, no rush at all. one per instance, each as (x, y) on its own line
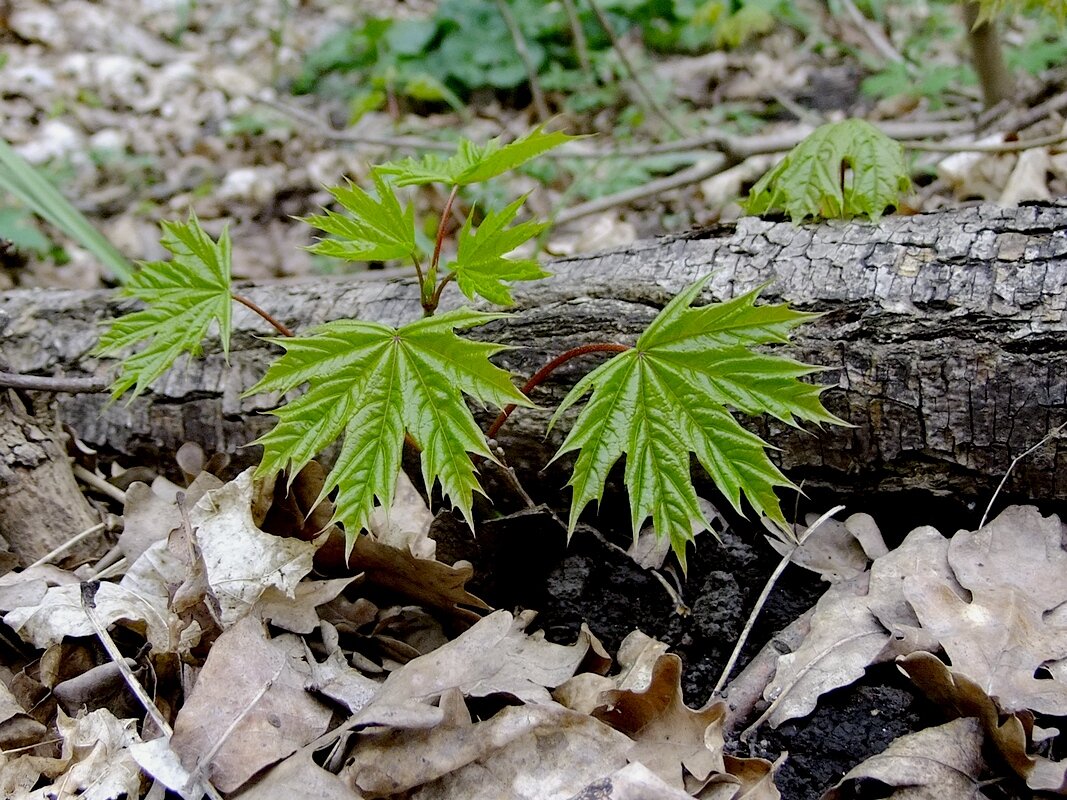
(943, 335)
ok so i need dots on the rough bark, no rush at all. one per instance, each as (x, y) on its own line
(943, 335)
(41, 505)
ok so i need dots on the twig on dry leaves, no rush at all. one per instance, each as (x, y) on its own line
(762, 599)
(581, 46)
(75, 539)
(1054, 433)
(88, 601)
(991, 147)
(94, 481)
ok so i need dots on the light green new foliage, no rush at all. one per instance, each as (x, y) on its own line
(373, 382)
(184, 295)
(481, 264)
(378, 229)
(668, 396)
(473, 163)
(989, 9)
(811, 181)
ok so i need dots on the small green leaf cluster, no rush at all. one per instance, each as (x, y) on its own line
(465, 45)
(841, 170)
(377, 387)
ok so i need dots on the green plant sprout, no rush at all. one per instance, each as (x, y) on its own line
(377, 386)
(840, 170)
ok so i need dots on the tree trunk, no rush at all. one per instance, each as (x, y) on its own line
(942, 335)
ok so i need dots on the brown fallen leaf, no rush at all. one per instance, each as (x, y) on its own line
(298, 776)
(17, 728)
(845, 637)
(836, 550)
(670, 737)
(248, 708)
(533, 752)
(96, 756)
(635, 782)
(296, 612)
(999, 640)
(933, 764)
(1011, 733)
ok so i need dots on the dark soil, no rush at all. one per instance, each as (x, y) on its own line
(523, 560)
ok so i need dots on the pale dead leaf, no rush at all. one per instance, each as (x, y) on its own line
(1011, 734)
(421, 580)
(933, 764)
(60, 613)
(250, 683)
(1028, 179)
(147, 518)
(335, 679)
(756, 776)
(298, 776)
(297, 612)
(650, 550)
(158, 759)
(495, 656)
(241, 560)
(998, 640)
(406, 524)
(634, 782)
(831, 550)
(1019, 549)
(668, 734)
(17, 728)
(844, 639)
(539, 752)
(924, 551)
(99, 763)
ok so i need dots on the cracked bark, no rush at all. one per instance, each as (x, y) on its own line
(942, 334)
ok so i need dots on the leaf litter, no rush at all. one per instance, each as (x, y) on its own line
(392, 680)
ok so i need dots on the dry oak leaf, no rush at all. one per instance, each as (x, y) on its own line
(533, 752)
(248, 708)
(845, 637)
(241, 560)
(1011, 734)
(933, 764)
(998, 640)
(670, 738)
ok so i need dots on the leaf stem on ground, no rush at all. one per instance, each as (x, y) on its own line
(548, 369)
(278, 326)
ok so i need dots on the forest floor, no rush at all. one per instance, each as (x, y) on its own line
(390, 674)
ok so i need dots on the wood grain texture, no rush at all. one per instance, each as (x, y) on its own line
(944, 335)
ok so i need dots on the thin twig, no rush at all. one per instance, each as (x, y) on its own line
(78, 537)
(527, 62)
(94, 481)
(713, 165)
(548, 369)
(278, 326)
(88, 599)
(581, 46)
(762, 599)
(978, 147)
(649, 99)
(59, 385)
(200, 773)
(1047, 438)
(873, 33)
(111, 570)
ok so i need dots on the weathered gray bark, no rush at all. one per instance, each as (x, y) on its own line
(944, 336)
(41, 506)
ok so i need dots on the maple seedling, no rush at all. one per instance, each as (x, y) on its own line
(375, 386)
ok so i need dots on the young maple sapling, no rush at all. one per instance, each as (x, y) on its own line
(668, 396)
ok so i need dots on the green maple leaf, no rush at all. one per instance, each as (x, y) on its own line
(373, 382)
(473, 163)
(184, 295)
(376, 229)
(481, 265)
(668, 396)
(842, 169)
